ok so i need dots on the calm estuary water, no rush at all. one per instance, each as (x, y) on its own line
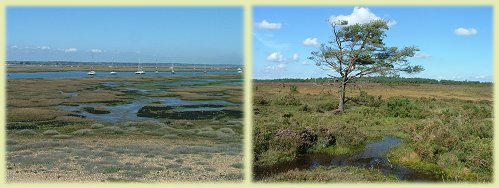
(82, 74)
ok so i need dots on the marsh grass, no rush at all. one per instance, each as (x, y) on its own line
(32, 114)
(34, 109)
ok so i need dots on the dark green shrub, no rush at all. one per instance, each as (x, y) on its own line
(328, 106)
(367, 100)
(293, 89)
(404, 108)
(349, 135)
(260, 100)
(288, 100)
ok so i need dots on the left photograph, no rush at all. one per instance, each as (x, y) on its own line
(124, 94)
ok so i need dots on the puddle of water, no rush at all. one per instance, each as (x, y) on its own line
(371, 157)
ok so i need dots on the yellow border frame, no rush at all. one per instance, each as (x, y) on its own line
(248, 109)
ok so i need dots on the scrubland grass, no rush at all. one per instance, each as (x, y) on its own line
(444, 134)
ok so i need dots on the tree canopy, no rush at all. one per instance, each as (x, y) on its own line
(358, 50)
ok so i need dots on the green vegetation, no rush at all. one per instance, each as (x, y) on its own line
(358, 50)
(340, 174)
(448, 136)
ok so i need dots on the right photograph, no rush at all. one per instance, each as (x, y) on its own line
(372, 94)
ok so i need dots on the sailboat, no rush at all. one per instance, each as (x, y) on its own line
(139, 69)
(204, 68)
(173, 71)
(92, 72)
(112, 67)
(156, 72)
(239, 70)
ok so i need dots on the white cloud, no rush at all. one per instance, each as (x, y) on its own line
(43, 47)
(268, 25)
(279, 67)
(422, 55)
(360, 15)
(95, 51)
(275, 57)
(480, 77)
(296, 57)
(305, 63)
(14, 46)
(310, 42)
(465, 31)
(70, 50)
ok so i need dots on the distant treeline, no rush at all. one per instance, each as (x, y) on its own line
(382, 80)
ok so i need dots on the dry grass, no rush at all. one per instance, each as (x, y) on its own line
(438, 91)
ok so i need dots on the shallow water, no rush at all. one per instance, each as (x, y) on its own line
(82, 74)
(372, 156)
(128, 112)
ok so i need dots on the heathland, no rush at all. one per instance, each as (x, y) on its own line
(438, 131)
(138, 129)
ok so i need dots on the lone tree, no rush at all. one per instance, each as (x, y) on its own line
(358, 50)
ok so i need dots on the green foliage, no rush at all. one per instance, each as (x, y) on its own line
(404, 108)
(347, 135)
(367, 100)
(288, 100)
(326, 106)
(293, 89)
(258, 100)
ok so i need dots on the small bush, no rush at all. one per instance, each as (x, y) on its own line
(288, 100)
(404, 108)
(349, 135)
(305, 108)
(327, 106)
(368, 100)
(293, 89)
(260, 100)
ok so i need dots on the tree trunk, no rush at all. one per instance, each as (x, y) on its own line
(341, 105)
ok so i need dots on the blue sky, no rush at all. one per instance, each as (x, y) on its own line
(455, 42)
(211, 35)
